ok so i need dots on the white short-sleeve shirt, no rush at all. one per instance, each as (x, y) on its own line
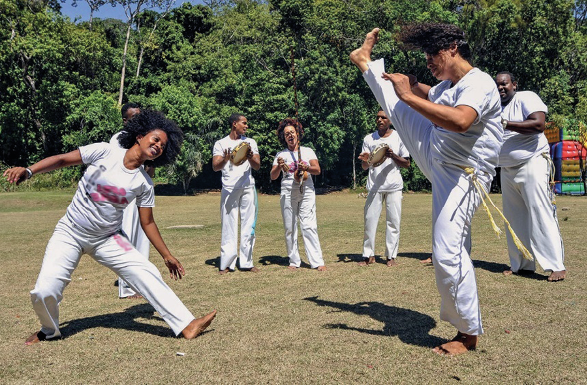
(480, 145)
(235, 177)
(291, 159)
(518, 148)
(106, 188)
(387, 176)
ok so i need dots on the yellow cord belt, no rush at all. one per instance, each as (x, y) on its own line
(484, 195)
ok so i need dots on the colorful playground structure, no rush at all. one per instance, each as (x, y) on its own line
(568, 142)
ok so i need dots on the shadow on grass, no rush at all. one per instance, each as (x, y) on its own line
(213, 262)
(418, 256)
(124, 320)
(346, 258)
(501, 267)
(274, 260)
(411, 327)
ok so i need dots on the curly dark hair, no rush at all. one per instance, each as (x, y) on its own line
(431, 38)
(289, 122)
(147, 121)
(511, 75)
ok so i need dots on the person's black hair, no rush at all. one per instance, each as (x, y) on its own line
(289, 122)
(147, 121)
(511, 75)
(128, 106)
(234, 118)
(432, 38)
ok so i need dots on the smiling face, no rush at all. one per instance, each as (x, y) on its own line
(153, 144)
(505, 86)
(240, 126)
(291, 137)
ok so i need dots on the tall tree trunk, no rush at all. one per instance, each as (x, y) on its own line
(91, 18)
(123, 72)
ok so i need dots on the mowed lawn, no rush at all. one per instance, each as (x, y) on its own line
(349, 324)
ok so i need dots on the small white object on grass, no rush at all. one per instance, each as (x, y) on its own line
(180, 354)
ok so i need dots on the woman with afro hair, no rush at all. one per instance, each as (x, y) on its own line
(113, 178)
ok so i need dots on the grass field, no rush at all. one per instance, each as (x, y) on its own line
(349, 324)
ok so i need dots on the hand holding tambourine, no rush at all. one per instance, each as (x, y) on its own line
(241, 153)
(378, 155)
(282, 165)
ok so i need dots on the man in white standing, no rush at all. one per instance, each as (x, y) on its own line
(131, 225)
(384, 184)
(525, 175)
(238, 196)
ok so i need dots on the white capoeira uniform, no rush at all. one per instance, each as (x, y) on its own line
(91, 226)
(238, 196)
(441, 154)
(131, 227)
(527, 197)
(299, 206)
(384, 184)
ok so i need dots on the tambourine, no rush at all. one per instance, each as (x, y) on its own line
(377, 156)
(238, 156)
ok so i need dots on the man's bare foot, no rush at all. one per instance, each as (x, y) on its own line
(134, 296)
(391, 262)
(321, 268)
(34, 338)
(367, 261)
(197, 326)
(225, 271)
(507, 273)
(462, 343)
(362, 56)
(426, 261)
(557, 276)
(293, 268)
(252, 270)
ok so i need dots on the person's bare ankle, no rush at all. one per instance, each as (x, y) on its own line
(462, 343)
(362, 55)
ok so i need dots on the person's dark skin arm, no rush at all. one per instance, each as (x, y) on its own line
(19, 174)
(534, 124)
(254, 160)
(218, 162)
(176, 270)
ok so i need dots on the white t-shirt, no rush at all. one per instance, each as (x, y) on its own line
(518, 148)
(385, 177)
(235, 177)
(479, 146)
(290, 158)
(106, 188)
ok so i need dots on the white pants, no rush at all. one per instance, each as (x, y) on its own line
(454, 201)
(393, 212)
(131, 227)
(62, 256)
(301, 206)
(528, 207)
(233, 203)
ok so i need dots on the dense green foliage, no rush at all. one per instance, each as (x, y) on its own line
(60, 80)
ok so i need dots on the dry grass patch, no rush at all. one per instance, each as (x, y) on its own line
(346, 325)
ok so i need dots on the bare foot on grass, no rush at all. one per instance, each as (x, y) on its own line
(391, 262)
(252, 270)
(225, 271)
(321, 268)
(426, 261)
(507, 273)
(34, 338)
(197, 326)
(362, 56)
(366, 261)
(134, 296)
(294, 268)
(556, 276)
(462, 343)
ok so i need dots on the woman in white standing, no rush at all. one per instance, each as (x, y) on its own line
(298, 198)
(92, 223)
